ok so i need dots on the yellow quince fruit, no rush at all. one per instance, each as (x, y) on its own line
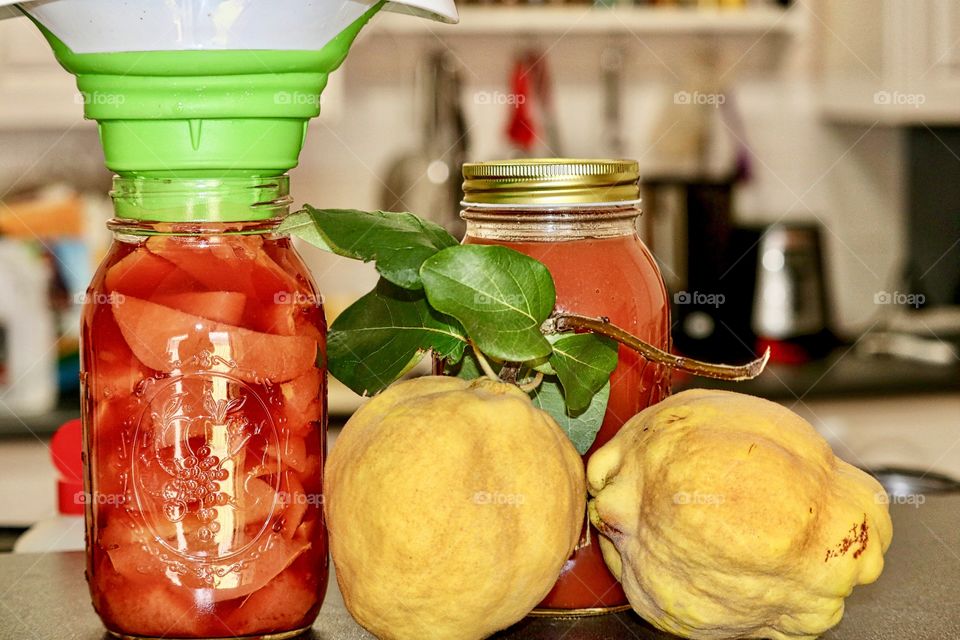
(728, 516)
(452, 507)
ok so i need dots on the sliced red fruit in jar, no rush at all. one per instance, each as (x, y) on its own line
(109, 461)
(114, 377)
(307, 421)
(292, 452)
(237, 263)
(281, 605)
(132, 562)
(312, 474)
(146, 522)
(291, 318)
(199, 261)
(277, 556)
(302, 390)
(256, 501)
(301, 401)
(112, 416)
(279, 318)
(142, 273)
(288, 312)
(306, 326)
(168, 340)
(235, 247)
(271, 280)
(127, 544)
(116, 372)
(306, 529)
(295, 504)
(113, 369)
(126, 539)
(219, 306)
(152, 483)
(312, 470)
(119, 532)
(149, 608)
(285, 298)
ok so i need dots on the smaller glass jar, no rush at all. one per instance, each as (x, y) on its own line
(204, 415)
(578, 217)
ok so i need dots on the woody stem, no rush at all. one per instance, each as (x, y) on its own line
(562, 322)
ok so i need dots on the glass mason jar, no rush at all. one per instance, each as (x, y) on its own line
(578, 217)
(204, 414)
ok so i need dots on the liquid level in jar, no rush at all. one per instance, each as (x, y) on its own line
(204, 415)
(617, 278)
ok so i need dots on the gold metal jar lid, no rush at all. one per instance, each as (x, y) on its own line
(551, 181)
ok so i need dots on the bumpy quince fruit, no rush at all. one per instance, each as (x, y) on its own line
(452, 506)
(731, 518)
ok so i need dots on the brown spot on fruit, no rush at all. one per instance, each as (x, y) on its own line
(858, 537)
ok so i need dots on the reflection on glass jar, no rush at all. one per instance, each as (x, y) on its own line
(204, 417)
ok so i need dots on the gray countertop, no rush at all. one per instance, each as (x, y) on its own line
(917, 597)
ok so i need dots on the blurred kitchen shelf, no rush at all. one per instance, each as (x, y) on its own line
(581, 19)
(672, 44)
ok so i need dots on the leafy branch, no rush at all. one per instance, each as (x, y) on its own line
(481, 309)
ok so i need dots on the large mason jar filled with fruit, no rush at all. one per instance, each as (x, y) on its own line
(578, 217)
(204, 415)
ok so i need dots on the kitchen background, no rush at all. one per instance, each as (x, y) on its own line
(801, 166)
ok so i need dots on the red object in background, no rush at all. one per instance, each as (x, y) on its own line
(521, 129)
(66, 451)
(783, 352)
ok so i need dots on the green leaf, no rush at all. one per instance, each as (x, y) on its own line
(384, 334)
(398, 242)
(582, 427)
(499, 295)
(543, 365)
(468, 368)
(583, 362)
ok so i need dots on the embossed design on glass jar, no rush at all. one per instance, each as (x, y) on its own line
(205, 480)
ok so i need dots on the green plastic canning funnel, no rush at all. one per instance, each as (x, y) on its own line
(204, 112)
(203, 105)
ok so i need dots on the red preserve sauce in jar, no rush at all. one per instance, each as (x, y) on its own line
(578, 217)
(204, 417)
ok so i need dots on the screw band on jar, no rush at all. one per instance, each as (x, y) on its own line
(551, 181)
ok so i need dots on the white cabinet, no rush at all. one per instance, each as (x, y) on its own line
(35, 91)
(890, 62)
